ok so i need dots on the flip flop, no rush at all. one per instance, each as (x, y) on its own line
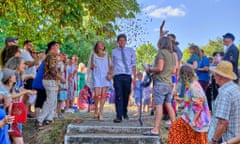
(149, 133)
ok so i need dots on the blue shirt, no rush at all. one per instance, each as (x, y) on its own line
(193, 58)
(4, 138)
(137, 90)
(203, 75)
(37, 82)
(117, 62)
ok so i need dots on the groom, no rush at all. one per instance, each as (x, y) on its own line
(124, 66)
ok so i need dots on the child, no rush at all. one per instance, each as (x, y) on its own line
(138, 91)
(62, 94)
(147, 98)
(83, 99)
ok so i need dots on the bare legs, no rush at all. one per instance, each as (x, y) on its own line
(158, 116)
(99, 99)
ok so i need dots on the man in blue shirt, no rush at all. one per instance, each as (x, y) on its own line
(124, 66)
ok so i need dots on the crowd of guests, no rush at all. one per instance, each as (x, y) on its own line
(206, 87)
(35, 84)
(208, 117)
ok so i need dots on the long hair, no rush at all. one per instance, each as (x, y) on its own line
(13, 63)
(165, 43)
(7, 53)
(95, 48)
(186, 74)
(196, 49)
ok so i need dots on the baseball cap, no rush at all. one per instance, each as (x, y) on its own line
(10, 39)
(229, 35)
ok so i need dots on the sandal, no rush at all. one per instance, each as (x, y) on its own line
(38, 124)
(150, 133)
(100, 117)
(48, 122)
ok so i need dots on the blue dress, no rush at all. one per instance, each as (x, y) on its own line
(100, 71)
(4, 138)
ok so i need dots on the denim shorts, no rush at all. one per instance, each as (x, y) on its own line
(162, 92)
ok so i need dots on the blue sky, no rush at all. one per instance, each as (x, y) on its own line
(193, 21)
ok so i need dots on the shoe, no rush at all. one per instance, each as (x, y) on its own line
(126, 117)
(152, 113)
(117, 120)
(30, 116)
(60, 116)
(95, 116)
(150, 133)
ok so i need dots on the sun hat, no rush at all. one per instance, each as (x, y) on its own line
(225, 69)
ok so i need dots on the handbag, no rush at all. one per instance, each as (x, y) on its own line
(19, 110)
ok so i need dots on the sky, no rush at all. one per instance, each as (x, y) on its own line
(192, 21)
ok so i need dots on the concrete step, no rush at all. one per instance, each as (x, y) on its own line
(82, 134)
(79, 129)
(110, 139)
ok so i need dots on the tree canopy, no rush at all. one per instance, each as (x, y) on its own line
(145, 54)
(74, 23)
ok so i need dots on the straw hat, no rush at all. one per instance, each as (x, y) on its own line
(225, 69)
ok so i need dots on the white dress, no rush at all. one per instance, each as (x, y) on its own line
(100, 71)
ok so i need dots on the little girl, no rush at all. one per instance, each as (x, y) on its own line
(138, 91)
(18, 107)
(83, 99)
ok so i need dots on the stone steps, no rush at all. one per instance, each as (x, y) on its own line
(82, 134)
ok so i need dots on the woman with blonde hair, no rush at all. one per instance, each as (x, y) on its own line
(192, 126)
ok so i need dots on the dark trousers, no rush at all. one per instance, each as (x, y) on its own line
(122, 85)
(204, 85)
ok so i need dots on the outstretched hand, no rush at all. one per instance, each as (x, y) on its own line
(162, 32)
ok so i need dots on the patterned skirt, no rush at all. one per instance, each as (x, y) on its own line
(181, 133)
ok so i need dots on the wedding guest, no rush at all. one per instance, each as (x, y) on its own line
(192, 126)
(162, 70)
(124, 66)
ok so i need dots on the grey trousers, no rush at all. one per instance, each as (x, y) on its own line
(50, 105)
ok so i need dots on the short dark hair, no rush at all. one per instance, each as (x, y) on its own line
(49, 46)
(26, 42)
(121, 36)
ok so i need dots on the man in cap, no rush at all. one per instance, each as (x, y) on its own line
(226, 109)
(231, 52)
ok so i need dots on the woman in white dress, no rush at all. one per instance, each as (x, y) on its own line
(101, 74)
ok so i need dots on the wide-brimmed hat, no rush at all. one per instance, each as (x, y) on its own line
(225, 69)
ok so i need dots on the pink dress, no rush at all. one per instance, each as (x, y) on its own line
(83, 100)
